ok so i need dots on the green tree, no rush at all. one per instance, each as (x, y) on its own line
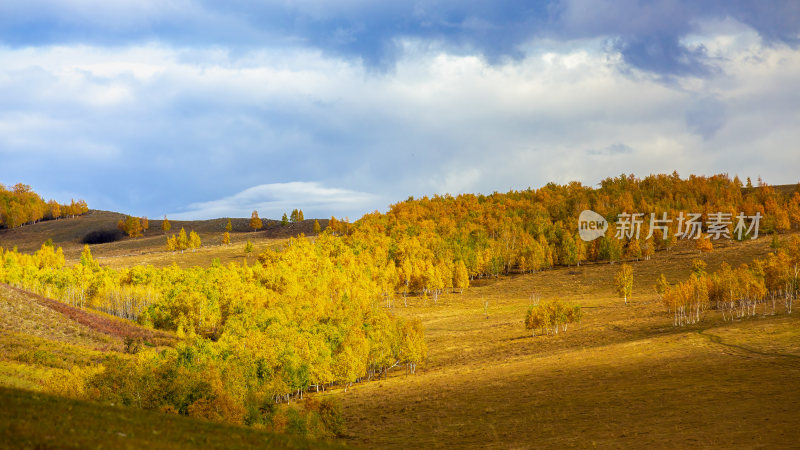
(284, 220)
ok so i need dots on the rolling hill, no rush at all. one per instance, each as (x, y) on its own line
(70, 233)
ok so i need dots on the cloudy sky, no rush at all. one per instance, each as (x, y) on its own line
(202, 108)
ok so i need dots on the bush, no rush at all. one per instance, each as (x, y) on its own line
(102, 237)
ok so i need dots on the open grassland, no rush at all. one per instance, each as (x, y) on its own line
(203, 257)
(36, 420)
(623, 377)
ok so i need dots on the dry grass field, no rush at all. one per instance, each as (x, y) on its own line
(624, 377)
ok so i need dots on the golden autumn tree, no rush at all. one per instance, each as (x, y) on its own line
(248, 248)
(255, 222)
(623, 282)
(461, 277)
(132, 226)
(165, 225)
(703, 243)
(194, 241)
(172, 243)
(226, 238)
(182, 240)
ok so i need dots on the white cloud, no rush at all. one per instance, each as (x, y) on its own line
(274, 199)
(438, 122)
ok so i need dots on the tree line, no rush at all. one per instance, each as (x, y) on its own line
(432, 242)
(736, 292)
(21, 205)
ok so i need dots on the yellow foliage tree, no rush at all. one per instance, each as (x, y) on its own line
(255, 222)
(623, 282)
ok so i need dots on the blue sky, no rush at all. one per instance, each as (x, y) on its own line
(202, 109)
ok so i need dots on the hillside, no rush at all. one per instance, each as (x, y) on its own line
(69, 233)
(36, 420)
(41, 340)
(41, 337)
(623, 377)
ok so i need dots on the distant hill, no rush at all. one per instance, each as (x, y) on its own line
(70, 233)
(787, 189)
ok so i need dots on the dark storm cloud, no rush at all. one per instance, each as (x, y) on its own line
(648, 34)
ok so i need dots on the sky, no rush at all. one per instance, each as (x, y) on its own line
(200, 108)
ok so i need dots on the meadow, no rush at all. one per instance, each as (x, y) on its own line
(623, 377)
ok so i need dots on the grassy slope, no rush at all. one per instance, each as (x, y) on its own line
(68, 233)
(39, 340)
(36, 420)
(623, 377)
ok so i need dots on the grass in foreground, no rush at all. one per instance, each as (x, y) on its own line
(36, 420)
